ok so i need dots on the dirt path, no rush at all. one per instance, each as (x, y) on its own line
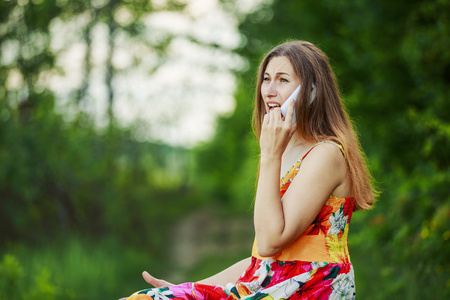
(207, 233)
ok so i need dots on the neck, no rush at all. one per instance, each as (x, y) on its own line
(297, 142)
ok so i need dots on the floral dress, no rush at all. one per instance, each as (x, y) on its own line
(315, 266)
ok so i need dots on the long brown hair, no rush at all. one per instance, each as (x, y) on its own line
(325, 118)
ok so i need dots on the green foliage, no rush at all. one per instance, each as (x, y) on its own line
(74, 269)
(17, 283)
(226, 166)
(61, 177)
(80, 180)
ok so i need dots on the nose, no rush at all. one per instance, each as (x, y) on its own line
(269, 90)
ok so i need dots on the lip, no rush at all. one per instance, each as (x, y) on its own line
(269, 109)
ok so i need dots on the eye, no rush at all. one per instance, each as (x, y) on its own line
(266, 78)
(284, 80)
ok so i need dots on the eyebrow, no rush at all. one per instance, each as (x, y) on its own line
(278, 73)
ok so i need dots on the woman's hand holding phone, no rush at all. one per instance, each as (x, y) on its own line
(276, 132)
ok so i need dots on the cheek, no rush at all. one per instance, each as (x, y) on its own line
(286, 95)
(283, 99)
(263, 90)
(265, 86)
(263, 95)
(263, 105)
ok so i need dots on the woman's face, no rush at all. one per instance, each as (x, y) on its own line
(279, 82)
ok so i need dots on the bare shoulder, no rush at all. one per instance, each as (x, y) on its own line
(325, 157)
(326, 151)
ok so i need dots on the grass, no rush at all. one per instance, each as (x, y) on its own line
(74, 269)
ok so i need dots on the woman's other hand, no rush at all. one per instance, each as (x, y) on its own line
(157, 283)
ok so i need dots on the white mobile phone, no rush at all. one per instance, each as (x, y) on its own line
(285, 105)
(294, 95)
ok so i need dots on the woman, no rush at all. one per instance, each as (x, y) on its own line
(301, 215)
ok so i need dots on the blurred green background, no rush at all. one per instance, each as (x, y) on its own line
(85, 208)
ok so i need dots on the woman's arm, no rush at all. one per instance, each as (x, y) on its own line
(231, 274)
(278, 223)
(228, 275)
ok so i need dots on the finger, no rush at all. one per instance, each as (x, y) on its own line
(266, 119)
(290, 112)
(150, 279)
(155, 281)
(147, 277)
(275, 115)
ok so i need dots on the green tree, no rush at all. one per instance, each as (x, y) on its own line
(60, 176)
